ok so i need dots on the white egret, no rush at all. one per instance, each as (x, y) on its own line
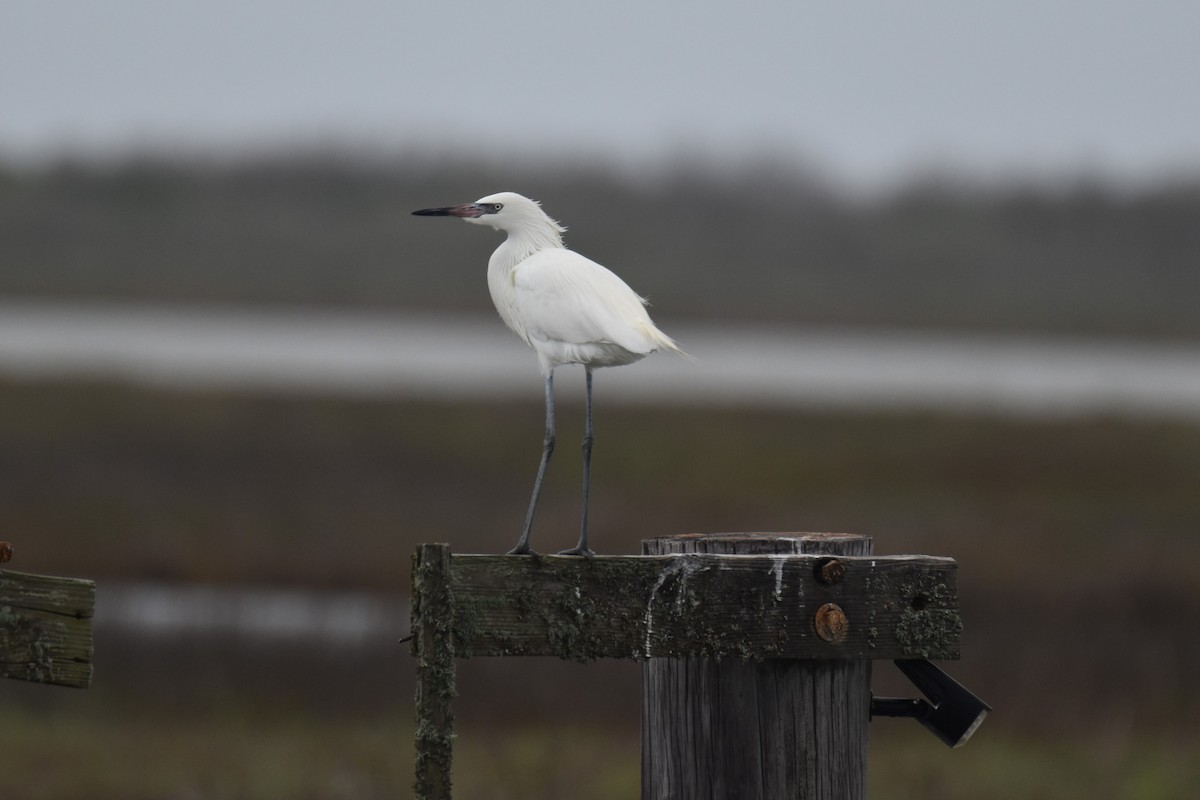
(568, 308)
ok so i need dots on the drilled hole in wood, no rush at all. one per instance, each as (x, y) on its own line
(829, 570)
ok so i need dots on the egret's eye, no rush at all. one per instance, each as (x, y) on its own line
(496, 207)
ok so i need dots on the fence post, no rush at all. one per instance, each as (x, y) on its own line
(756, 730)
(433, 614)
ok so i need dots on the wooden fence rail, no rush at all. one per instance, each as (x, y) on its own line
(46, 628)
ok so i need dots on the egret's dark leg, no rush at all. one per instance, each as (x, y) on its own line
(581, 549)
(522, 547)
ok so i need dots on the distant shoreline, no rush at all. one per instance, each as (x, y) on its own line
(456, 355)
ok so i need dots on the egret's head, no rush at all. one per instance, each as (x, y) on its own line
(504, 211)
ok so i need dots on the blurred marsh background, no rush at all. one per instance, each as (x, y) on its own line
(938, 265)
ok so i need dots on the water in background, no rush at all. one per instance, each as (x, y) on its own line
(460, 356)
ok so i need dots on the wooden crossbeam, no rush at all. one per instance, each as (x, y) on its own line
(749, 607)
(46, 628)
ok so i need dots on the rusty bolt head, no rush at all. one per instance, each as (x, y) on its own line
(830, 570)
(830, 623)
(6, 551)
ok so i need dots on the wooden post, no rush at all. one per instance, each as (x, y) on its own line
(723, 728)
(432, 615)
(758, 649)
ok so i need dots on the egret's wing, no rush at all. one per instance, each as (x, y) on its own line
(565, 297)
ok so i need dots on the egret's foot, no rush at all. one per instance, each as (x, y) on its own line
(522, 550)
(586, 552)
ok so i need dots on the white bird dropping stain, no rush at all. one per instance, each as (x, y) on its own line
(679, 563)
(777, 571)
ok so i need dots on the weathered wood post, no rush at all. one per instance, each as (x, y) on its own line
(758, 649)
(770, 729)
(432, 614)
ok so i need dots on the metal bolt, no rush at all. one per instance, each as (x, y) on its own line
(830, 623)
(830, 570)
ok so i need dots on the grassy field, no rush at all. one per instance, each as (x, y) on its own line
(296, 757)
(1078, 540)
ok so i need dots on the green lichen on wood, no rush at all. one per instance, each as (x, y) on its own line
(435, 752)
(45, 628)
(928, 591)
(463, 620)
(748, 607)
(930, 633)
(433, 621)
(571, 620)
(580, 616)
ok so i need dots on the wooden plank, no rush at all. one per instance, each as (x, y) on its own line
(46, 628)
(708, 605)
(432, 612)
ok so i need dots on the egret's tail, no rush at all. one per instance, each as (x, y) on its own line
(663, 342)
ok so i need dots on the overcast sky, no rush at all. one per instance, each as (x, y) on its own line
(866, 91)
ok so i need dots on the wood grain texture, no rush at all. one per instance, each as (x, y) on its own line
(432, 614)
(749, 606)
(46, 628)
(723, 728)
(757, 649)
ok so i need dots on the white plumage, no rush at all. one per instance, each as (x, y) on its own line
(565, 306)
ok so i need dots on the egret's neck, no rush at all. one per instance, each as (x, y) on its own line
(523, 242)
(520, 245)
